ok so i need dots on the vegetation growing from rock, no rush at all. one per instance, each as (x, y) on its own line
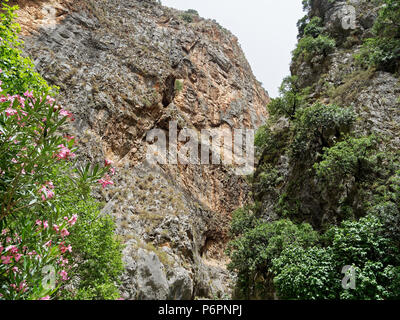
(326, 179)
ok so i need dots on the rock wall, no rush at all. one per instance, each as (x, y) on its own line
(336, 78)
(125, 67)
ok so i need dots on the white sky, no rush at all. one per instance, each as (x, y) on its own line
(266, 30)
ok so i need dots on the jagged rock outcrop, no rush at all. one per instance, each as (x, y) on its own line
(125, 67)
(335, 78)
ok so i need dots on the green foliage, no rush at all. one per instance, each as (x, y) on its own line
(98, 252)
(189, 15)
(50, 225)
(383, 50)
(318, 124)
(315, 273)
(290, 99)
(252, 252)
(309, 47)
(178, 86)
(305, 274)
(314, 28)
(353, 157)
(18, 72)
(243, 219)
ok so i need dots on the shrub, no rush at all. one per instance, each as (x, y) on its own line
(97, 252)
(251, 253)
(309, 47)
(18, 72)
(383, 50)
(39, 177)
(353, 157)
(315, 273)
(317, 125)
(290, 100)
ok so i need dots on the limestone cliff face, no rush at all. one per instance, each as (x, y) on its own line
(125, 67)
(335, 78)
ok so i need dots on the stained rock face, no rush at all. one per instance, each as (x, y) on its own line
(125, 67)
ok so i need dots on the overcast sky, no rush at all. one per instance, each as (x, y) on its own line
(266, 30)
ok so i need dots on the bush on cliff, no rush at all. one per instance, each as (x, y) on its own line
(50, 227)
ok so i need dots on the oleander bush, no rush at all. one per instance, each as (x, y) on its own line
(51, 230)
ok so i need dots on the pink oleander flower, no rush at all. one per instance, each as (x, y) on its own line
(13, 249)
(72, 221)
(50, 100)
(107, 162)
(68, 114)
(28, 94)
(64, 275)
(38, 222)
(45, 225)
(45, 298)
(32, 253)
(17, 257)
(23, 286)
(46, 193)
(64, 233)
(6, 259)
(63, 261)
(56, 228)
(11, 112)
(64, 153)
(64, 249)
(105, 181)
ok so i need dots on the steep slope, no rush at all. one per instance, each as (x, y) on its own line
(125, 67)
(325, 192)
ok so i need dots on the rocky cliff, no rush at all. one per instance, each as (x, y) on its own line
(125, 67)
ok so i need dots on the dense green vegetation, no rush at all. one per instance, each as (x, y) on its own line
(383, 50)
(54, 243)
(326, 196)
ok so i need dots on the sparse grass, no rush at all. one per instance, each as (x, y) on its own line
(353, 85)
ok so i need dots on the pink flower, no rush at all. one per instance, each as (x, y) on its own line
(50, 100)
(68, 114)
(64, 275)
(48, 243)
(105, 181)
(46, 193)
(6, 259)
(64, 153)
(64, 233)
(17, 257)
(45, 225)
(56, 228)
(64, 249)
(72, 221)
(38, 222)
(13, 249)
(112, 170)
(23, 286)
(10, 112)
(108, 162)
(45, 298)
(28, 94)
